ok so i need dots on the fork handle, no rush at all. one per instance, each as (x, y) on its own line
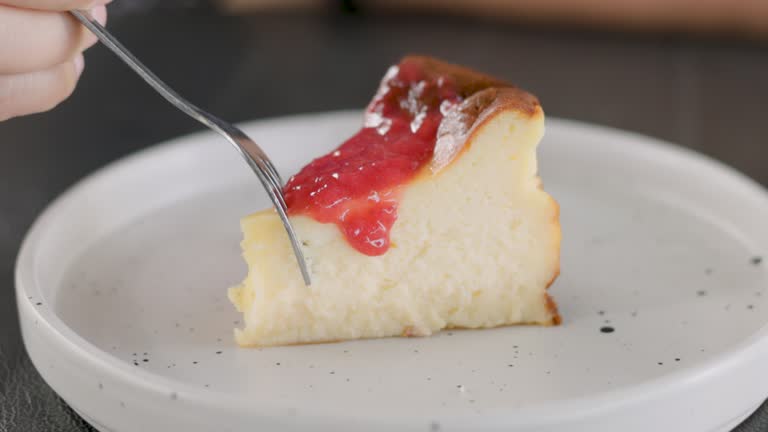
(147, 75)
(249, 150)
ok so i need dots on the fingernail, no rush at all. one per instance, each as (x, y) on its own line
(79, 64)
(99, 13)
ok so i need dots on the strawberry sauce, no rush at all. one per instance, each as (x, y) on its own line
(356, 186)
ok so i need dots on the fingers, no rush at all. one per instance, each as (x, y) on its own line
(55, 5)
(40, 53)
(39, 91)
(32, 40)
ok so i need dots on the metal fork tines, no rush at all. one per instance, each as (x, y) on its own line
(249, 150)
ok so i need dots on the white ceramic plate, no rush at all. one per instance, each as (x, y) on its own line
(121, 290)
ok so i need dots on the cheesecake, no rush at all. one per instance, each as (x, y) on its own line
(431, 217)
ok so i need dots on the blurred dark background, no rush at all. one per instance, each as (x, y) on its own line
(696, 77)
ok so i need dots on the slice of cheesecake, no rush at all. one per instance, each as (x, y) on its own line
(431, 217)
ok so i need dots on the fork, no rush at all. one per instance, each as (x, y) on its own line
(248, 149)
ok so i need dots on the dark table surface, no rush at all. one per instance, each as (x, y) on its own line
(705, 93)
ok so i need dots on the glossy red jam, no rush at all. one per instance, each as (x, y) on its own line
(356, 186)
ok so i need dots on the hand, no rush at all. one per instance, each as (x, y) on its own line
(41, 52)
